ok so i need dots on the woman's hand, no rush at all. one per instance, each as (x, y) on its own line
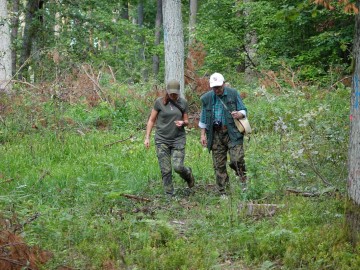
(147, 143)
(179, 123)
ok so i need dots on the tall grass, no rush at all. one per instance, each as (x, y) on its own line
(71, 179)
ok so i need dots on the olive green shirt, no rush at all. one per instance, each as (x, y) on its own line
(166, 130)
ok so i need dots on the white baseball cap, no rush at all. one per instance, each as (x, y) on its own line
(216, 80)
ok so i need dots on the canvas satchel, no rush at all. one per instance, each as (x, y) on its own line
(243, 125)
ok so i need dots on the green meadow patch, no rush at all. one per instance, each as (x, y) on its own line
(93, 196)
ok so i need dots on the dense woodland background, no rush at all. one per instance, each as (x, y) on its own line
(79, 191)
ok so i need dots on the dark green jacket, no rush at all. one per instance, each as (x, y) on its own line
(208, 100)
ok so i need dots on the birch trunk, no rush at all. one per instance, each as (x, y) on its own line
(173, 42)
(5, 49)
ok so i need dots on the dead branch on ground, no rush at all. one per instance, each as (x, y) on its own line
(119, 141)
(259, 210)
(7, 181)
(137, 198)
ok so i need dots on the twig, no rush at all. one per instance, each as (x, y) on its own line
(42, 176)
(192, 78)
(95, 83)
(15, 262)
(136, 198)
(119, 141)
(30, 219)
(343, 79)
(7, 181)
(18, 71)
(257, 209)
(303, 193)
(313, 167)
(27, 83)
(2, 120)
(12, 244)
(112, 74)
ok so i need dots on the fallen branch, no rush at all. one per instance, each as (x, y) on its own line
(255, 209)
(343, 79)
(136, 198)
(2, 120)
(12, 244)
(26, 83)
(112, 74)
(43, 175)
(16, 263)
(7, 181)
(119, 141)
(303, 193)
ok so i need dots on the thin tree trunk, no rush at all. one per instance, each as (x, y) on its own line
(173, 42)
(14, 34)
(5, 48)
(124, 10)
(250, 48)
(29, 32)
(141, 39)
(353, 215)
(158, 24)
(192, 20)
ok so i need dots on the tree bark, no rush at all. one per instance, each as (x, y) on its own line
(250, 49)
(158, 24)
(141, 38)
(29, 32)
(353, 216)
(192, 20)
(5, 48)
(173, 42)
(14, 35)
(124, 10)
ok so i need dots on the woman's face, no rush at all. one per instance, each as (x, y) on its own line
(173, 96)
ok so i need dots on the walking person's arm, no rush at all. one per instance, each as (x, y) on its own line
(149, 126)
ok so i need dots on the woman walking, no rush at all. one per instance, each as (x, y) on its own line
(170, 114)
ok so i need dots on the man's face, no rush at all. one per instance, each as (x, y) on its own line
(218, 90)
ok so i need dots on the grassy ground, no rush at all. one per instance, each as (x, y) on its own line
(94, 198)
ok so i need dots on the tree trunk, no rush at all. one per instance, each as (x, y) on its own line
(158, 24)
(353, 216)
(141, 38)
(124, 10)
(250, 49)
(5, 48)
(192, 20)
(14, 35)
(173, 42)
(29, 31)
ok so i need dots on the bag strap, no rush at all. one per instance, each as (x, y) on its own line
(177, 106)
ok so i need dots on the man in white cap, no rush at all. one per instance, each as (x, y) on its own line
(220, 107)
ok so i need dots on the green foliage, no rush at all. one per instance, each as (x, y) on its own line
(75, 175)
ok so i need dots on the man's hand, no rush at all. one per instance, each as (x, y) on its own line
(237, 115)
(203, 140)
